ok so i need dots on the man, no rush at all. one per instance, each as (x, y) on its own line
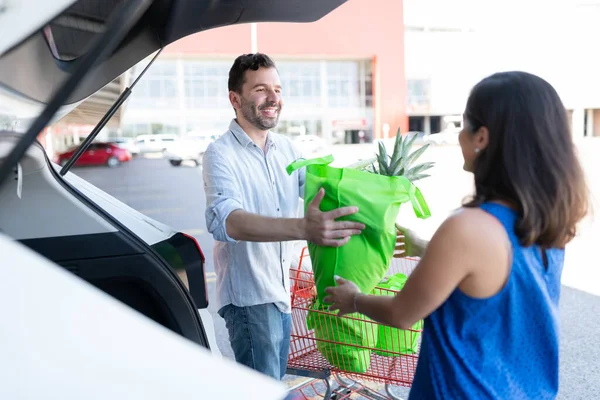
(252, 212)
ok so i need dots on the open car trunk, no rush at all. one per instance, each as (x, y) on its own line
(52, 65)
(51, 52)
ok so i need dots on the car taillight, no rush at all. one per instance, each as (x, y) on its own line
(193, 277)
(197, 246)
(184, 255)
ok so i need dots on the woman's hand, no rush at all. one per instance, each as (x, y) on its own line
(408, 244)
(342, 297)
(400, 250)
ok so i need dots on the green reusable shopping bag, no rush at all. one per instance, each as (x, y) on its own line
(393, 342)
(366, 257)
(345, 342)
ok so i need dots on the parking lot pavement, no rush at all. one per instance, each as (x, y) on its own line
(175, 196)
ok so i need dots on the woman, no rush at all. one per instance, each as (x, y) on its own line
(488, 283)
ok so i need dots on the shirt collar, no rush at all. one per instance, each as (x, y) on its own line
(244, 139)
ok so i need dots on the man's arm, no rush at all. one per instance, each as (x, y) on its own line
(242, 225)
(227, 221)
(318, 227)
(222, 192)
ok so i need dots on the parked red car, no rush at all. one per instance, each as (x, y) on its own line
(97, 154)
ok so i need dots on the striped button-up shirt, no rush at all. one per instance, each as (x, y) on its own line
(238, 175)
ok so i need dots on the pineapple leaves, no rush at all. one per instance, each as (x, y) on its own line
(382, 159)
(417, 177)
(401, 158)
(408, 143)
(412, 173)
(413, 157)
(400, 162)
(396, 154)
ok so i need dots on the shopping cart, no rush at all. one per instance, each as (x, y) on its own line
(387, 369)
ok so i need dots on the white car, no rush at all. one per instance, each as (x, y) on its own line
(311, 145)
(127, 144)
(444, 137)
(188, 148)
(159, 143)
(92, 300)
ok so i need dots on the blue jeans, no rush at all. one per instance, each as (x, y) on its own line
(259, 336)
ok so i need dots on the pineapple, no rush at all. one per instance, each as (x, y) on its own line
(400, 163)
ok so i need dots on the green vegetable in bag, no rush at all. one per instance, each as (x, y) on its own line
(341, 340)
(366, 257)
(391, 341)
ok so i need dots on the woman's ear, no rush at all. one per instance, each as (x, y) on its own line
(481, 138)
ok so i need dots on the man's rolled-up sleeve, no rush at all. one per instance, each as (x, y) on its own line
(222, 195)
(301, 172)
(302, 182)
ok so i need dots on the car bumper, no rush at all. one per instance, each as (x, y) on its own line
(183, 157)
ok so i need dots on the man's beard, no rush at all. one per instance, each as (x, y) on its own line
(252, 115)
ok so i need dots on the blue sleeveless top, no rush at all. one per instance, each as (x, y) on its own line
(502, 347)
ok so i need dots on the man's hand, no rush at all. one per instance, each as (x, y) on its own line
(321, 228)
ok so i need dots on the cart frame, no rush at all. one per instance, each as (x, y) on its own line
(305, 360)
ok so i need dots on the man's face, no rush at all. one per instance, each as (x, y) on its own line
(260, 102)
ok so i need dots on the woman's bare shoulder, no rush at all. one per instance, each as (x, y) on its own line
(474, 228)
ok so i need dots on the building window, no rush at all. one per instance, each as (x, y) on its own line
(136, 129)
(205, 84)
(343, 80)
(300, 82)
(368, 84)
(157, 88)
(294, 128)
(418, 92)
(151, 128)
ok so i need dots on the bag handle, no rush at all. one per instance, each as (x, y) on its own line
(303, 162)
(418, 202)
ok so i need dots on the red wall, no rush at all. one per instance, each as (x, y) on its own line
(358, 29)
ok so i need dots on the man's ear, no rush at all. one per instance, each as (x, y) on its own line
(235, 101)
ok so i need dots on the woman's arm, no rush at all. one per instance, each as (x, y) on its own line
(461, 246)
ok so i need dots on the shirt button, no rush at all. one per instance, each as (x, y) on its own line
(278, 209)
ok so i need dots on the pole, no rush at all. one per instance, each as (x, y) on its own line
(253, 38)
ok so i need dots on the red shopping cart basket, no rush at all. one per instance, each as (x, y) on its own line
(353, 346)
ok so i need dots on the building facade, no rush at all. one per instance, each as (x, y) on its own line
(342, 77)
(450, 46)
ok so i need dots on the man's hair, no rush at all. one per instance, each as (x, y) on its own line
(242, 64)
(530, 160)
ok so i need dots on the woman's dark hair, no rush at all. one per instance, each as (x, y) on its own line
(242, 64)
(530, 160)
